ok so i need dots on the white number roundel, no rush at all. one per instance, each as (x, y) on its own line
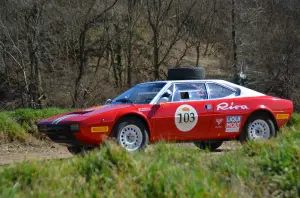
(186, 118)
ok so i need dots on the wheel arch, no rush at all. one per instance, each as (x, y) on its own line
(263, 111)
(130, 115)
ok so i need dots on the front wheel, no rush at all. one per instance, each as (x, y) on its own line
(258, 127)
(132, 134)
(210, 145)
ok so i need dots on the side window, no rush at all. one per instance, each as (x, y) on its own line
(169, 93)
(217, 91)
(190, 91)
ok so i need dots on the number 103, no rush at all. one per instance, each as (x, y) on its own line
(186, 117)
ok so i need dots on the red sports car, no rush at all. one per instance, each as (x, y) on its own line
(206, 112)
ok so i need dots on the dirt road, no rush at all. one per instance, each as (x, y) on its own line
(18, 152)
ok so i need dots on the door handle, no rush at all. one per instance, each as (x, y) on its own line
(208, 106)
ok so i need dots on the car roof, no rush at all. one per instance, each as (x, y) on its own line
(243, 90)
(223, 82)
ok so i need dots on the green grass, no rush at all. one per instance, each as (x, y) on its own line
(17, 125)
(257, 169)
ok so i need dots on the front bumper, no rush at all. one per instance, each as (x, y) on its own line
(61, 134)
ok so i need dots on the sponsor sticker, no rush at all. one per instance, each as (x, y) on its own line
(101, 129)
(186, 118)
(233, 123)
(282, 116)
(225, 106)
(144, 109)
(219, 122)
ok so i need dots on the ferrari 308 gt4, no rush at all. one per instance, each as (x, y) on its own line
(206, 112)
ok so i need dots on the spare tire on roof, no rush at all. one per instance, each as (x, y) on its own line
(186, 73)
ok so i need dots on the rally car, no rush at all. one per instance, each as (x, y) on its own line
(206, 112)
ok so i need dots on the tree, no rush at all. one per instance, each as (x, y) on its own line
(89, 22)
(165, 16)
(133, 15)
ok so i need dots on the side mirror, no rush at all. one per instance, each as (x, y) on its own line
(108, 101)
(163, 100)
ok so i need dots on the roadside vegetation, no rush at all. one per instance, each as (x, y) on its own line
(21, 124)
(257, 169)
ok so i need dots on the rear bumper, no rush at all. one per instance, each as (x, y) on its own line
(61, 134)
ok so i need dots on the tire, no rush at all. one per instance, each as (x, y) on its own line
(258, 126)
(186, 73)
(75, 150)
(79, 150)
(210, 145)
(132, 134)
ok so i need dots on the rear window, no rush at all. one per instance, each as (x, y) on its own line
(216, 91)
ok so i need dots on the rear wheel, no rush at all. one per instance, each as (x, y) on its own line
(210, 145)
(258, 127)
(132, 134)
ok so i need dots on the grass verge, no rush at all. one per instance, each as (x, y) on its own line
(18, 124)
(258, 169)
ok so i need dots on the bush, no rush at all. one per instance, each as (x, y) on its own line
(10, 130)
(17, 125)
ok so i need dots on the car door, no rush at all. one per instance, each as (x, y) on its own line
(229, 111)
(187, 116)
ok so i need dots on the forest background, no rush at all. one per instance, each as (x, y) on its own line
(78, 53)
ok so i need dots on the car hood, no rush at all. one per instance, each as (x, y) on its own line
(78, 115)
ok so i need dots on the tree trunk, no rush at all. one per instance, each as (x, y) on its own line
(129, 45)
(119, 63)
(156, 53)
(82, 63)
(6, 68)
(113, 65)
(198, 54)
(38, 84)
(233, 34)
(206, 47)
(129, 61)
(118, 52)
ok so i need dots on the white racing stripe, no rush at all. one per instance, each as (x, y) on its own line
(62, 118)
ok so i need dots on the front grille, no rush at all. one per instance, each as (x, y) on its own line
(54, 128)
(58, 133)
(62, 138)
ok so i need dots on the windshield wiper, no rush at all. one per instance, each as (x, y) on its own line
(125, 100)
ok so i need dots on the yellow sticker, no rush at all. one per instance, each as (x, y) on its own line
(101, 129)
(282, 116)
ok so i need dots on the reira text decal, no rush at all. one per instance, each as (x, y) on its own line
(225, 106)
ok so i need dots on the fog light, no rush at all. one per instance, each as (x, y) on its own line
(74, 127)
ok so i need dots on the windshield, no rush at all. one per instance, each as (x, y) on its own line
(139, 94)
